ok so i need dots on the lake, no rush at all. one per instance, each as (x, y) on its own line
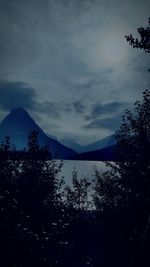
(84, 168)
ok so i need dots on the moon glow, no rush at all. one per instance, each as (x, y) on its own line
(113, 48)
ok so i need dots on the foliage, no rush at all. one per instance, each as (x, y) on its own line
(78, 195)
(133, 135)
(127, 182)
(144, 42)
(107, 192)
(36, 228)
(133, 148)
(8, 168)
(123, 190)
(29, 198)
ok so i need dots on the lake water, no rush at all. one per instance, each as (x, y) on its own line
(84, 168)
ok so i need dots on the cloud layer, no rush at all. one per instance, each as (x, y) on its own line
(67, 62)
(15, 95)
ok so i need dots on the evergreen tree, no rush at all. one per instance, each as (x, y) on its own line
(38, 175)
(8, 164)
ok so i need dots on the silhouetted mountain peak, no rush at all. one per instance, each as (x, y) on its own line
(19, 111)
(20, 114)
(18, 124)
(18, 121)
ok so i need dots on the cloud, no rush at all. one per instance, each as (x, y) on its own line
(109, 109)
(19, 94)
(111, 124)
(105, 116)
(48, 108)
(16, 94)
(78, 106)
(70, 55)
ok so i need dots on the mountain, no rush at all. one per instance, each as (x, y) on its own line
(52, 136)
(18, 124)
(103, 143)
(104, 154)
(69, 143)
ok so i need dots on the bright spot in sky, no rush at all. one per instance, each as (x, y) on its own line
(109, 49)
(113, 48)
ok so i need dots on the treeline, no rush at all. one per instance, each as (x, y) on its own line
(101, 222)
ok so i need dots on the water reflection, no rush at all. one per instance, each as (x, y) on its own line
(84, 168)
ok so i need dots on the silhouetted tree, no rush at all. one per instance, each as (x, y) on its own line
(8, 167)
(124, 188)
(9, 213)
(144, 41)
(31, 216)
(107, 193)
(38, 175)
(133, 141)
(133, 146)
(77, 196)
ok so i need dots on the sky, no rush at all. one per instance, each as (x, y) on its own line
(68, 64)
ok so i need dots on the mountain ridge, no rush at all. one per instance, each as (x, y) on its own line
(18, 124)
(107, 141)
(104, 154)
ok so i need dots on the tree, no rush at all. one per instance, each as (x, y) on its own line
(106, 190)
(31, 221)
(38, 174)
(133, 146)
(122, 192)
(77, 196)
(134, 133)
(144, 42)
(8, 167)
(133, 141)
(132, 171)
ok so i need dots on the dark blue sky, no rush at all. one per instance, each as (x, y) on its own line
(67, 62)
